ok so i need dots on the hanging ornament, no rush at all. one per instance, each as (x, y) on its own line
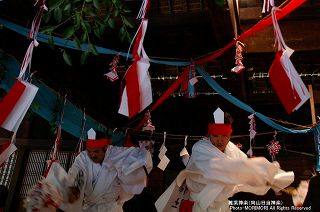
(188, 82)
(252, 133)
(239, 65)
(184, 152)
(274, 147)
(148, 123)
(164, 160)
(113, 74)
(192, 81)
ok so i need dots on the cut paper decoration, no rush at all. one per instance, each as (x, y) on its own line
(163, 163)
(162, 152)
(137, 93)
(184, 152)
(252, 133)
(239, 65)
(274, 147)
(250, 151)
(284, 78)
(218, 115)
(113, 74)
(252, 128)
(188, 81)
(164, 160)
(192, 81)
(163, 148)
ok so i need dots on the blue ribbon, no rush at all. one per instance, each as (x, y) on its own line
(191, 89)
(71, 44)
(215, 86)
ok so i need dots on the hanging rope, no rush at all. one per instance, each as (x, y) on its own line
(56, 146)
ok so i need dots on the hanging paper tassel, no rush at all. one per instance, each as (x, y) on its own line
(164, 160)
(187, 84)
(184, 152)
(274, 147)
(192, 81)
(148, 123)
(239, 65)
(252, 133)
(113, 74)
(267, 5)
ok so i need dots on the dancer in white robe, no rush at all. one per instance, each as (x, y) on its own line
(103, 177)
(218, 169)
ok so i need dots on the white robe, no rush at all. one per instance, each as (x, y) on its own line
(213, 176)
(107, 186)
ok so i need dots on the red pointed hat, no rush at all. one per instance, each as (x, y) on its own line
(92, 142)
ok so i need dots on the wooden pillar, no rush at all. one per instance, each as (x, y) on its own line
(313, 111)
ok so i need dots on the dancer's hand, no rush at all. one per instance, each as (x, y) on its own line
(74, 194)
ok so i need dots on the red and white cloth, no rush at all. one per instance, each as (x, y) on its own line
(16, 103)
(284, 78)
(137, 94)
